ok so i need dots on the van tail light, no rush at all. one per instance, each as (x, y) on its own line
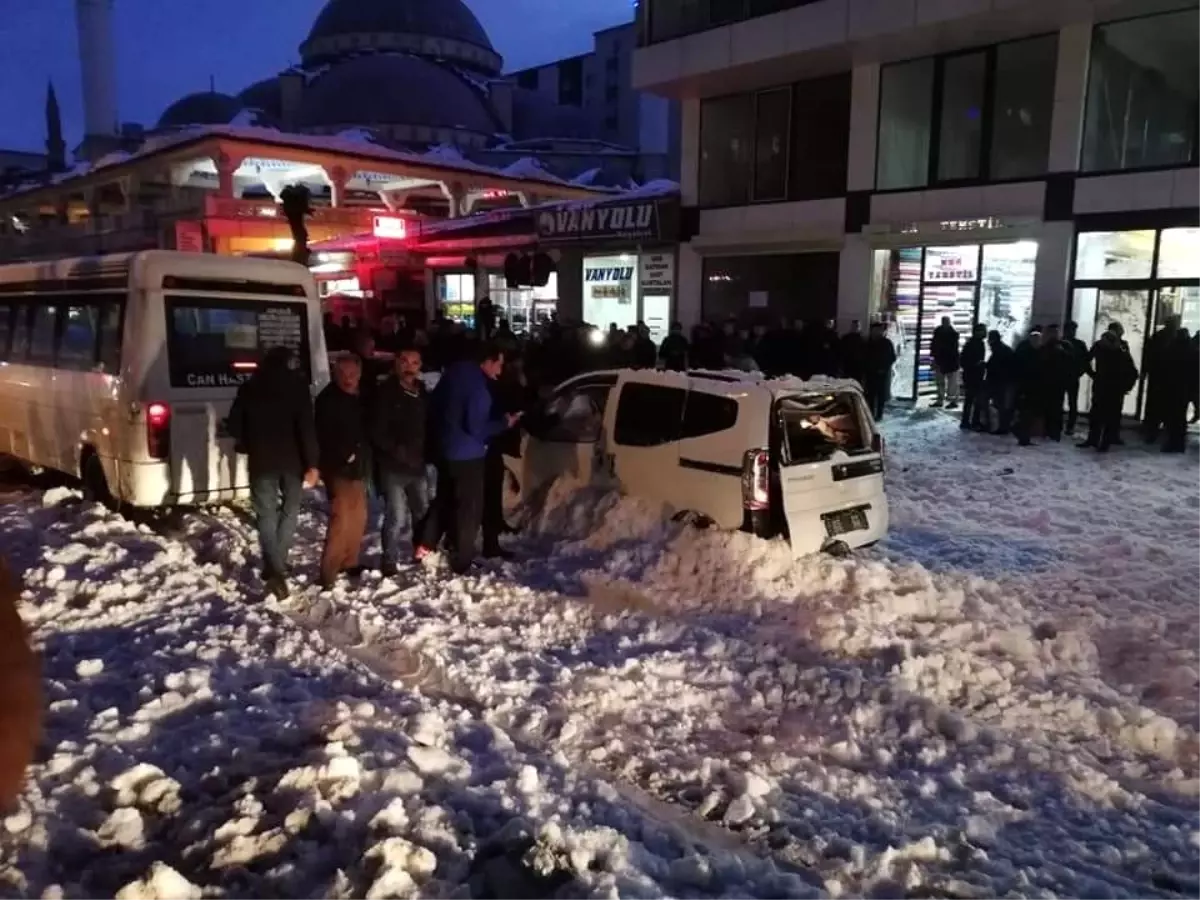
(756, 479)
(879, 445)
(158, 430)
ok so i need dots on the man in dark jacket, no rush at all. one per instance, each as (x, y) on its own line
(1077, 350)
(1178, 371)
(397, 433)
(975, 408)
(1159, 384)
(852, 352)
(341, 433)
(943, 347)
(1058, 368)
(1028, 380)
(645, 354)
(999, 379)
(1113, 376)
(464, 421)
(673, 353)
(271, 421)
(879, 359)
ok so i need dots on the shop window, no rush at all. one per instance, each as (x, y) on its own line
(19, 349)
(1178, 254)
(1142, 93)
(961, 117)
(525, 307)
(1108, 255)
(1022, 107)
(796, 285)
(610, 290)
(905, 124)
(820, 137)
(726, 150)
(456, 296)
(707, 414)
(771, 144)
(648, 415)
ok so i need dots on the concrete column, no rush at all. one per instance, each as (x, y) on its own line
(91, 198)
(227, 166)
(854, 282)
(337, 178)
(689, 151)
(1052, 274)
(864, 120)
(689, 281)
(1070, 96)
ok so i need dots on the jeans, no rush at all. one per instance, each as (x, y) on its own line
(276, 501)
(405, 496)
(1072, 404)
(459, 510)
(947, 386)
(347, 525)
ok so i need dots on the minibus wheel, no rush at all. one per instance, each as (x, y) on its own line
(693, 518)
(95, 484)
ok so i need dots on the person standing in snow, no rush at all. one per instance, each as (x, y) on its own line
(397, 431)
(1078, 352)
(943, 346)
(879, 358)
(852, 352)
(341, 434)
(999, 380)
(271, 422)
(1113, 376)
(1029, 377)
(1159, 383)
(971, 360)
(673, 353)
(464, 422)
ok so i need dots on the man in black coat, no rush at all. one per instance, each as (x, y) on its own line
(1160, 387)
(971, 359)
(852, 351)
(1113, 376)
(943, 347)
(1178, 371)
(398, 439)
(1058, 370)
(1028, 380)
(879, 359)
(999, 380)
(1078, 352)
(673, 353)
(342, 436)
(271, 421)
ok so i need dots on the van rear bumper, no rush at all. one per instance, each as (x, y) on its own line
(148, 484)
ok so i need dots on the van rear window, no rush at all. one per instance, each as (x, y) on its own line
(818, 425)
(219, 342)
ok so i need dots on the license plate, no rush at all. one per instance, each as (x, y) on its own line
(844, 522)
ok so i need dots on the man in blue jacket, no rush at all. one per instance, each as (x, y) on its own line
(463, 422)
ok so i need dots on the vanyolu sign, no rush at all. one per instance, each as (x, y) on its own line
(638, 220)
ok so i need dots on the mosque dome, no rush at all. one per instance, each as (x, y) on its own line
(204, 108)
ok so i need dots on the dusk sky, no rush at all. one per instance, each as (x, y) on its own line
(168, 48)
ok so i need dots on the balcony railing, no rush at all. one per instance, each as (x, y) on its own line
(665, 20)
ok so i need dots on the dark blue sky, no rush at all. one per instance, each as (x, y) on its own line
(168, 48)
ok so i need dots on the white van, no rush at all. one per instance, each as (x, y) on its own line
(120, 370)
(776, 457)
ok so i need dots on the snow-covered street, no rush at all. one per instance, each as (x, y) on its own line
(999, 700)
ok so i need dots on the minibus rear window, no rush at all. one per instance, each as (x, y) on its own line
(219, 342)
(815, 426)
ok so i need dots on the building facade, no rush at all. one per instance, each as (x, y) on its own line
(600, 85)
(1011, 162)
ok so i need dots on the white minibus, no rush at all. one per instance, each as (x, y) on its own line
(120, 370)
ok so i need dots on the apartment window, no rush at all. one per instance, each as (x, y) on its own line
(967, 116)
(905, 124)
(668, 19)
(570, 82)
(528, 79)
(771, 144)
(1142, 93)
(726, 150)
(819, 138)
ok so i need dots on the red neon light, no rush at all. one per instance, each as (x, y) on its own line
(390, 227)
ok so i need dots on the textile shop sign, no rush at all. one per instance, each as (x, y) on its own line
(626, 221)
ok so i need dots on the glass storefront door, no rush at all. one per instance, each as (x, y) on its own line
(610, 291)
(969, 283)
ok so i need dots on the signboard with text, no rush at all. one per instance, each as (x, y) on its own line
(657, 273)
(635, 220)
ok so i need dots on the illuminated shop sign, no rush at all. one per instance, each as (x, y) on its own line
(390, 227)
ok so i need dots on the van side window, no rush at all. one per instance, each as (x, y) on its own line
(575, 416)
(110, 337)
(707, 414)
(77, 341)
(41, 335)
(19, 349)
(648, 415)
(6, 320)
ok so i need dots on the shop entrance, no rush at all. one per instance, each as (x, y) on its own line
(1137, 278)
(971, 283)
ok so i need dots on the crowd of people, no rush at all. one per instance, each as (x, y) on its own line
(435, 458)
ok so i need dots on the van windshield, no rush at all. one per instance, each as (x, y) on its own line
(219, 342)
(816, 426)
